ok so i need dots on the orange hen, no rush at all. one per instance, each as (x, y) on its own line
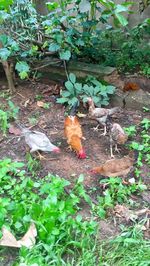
(117, 167)
(73, 133)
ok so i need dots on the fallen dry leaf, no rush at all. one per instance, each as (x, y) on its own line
(28, 240)
(40, 104)
(8, 239)
(14, 130)
(123, 211)
(80, 115)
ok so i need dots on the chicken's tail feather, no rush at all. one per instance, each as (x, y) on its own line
(74, 108)
(22, 128)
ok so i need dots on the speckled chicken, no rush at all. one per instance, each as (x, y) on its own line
(116, 133)
(100, 114)
(38, 141)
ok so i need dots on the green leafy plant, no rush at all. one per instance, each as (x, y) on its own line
(7, 116)
(131, 131)
(98, 91)
(93, 88)
(54, 212)
(3, 121)
(116, 192)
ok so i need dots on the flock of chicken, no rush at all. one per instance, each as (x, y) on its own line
(38, 141)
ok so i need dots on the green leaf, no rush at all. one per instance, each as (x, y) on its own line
(65, 93)
(72, 78)
(78, 87)
(73, 101)
(62, 100)
(65, 55)
(80, 179)
(122, 20)
(56, 231)
(54, 47)
(69, 86)
(4, 54)
(84, 6)
(110, 89)
(120, 8)
(23, 68)
(96, 89)
(18, 225)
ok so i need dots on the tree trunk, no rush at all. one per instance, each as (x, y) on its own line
(8, 71)
(9, 74)
(41, 7)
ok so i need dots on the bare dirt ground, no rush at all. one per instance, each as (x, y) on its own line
(51, 122)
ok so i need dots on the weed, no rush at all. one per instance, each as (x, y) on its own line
(129, 248)
(116, 193)
(33, 165)
(61, 230)
(8, 115)
(131, 131)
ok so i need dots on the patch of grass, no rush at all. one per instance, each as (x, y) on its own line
(128, 249)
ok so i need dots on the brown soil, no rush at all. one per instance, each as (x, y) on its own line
(51, 122)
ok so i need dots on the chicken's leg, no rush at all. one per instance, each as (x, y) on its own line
(116, 148)
(105, 131)
(111, 147)
(95, 128)
(41, 157)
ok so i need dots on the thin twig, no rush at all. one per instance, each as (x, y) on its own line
(65, 67)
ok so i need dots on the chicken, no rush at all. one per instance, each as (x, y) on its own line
(73, 133)
(116, 134)
(100, 114)
(38, 141)
(130, 86)
(117, 167)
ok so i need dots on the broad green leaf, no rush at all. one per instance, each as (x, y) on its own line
(72, 78)
(86, 88)
(18, 225)
(78, 87)
(62, 100)
(22, 66)
(65, 93)
(4, 4)
(73, 101)
(96, 99)
(84, 6)
(69, 86)
(80, 179)
(122, 20)
(3, 39)
(101, 212)
(52, 6)
(4, 54)
(120, 8)
(65, 55)
(110, 89)
(53, 47)
(96, 89)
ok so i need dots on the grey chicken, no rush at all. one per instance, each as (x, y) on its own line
(38, 141)
(100, 114)
(116, 133)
